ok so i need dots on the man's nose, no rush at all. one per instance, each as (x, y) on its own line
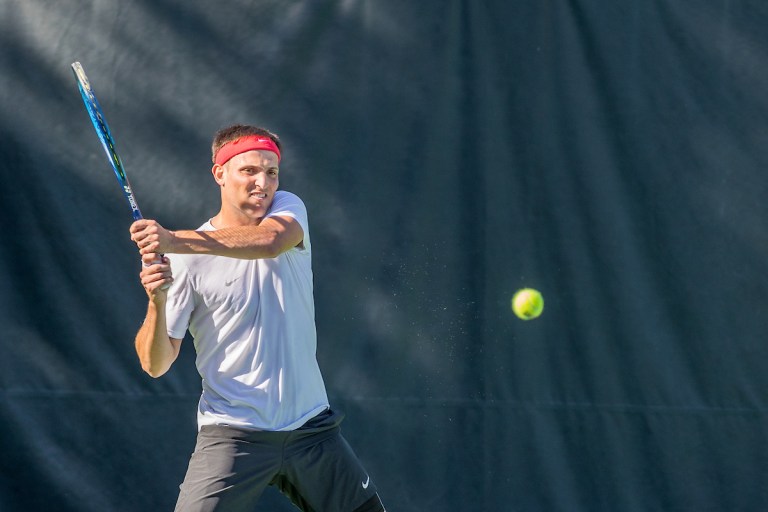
(259, 179)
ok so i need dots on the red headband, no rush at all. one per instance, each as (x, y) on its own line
(243, 144)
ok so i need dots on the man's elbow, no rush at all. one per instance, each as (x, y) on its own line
(155, 371)
(277, 246)
(280, 235)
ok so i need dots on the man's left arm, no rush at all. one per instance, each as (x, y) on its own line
(272, 237)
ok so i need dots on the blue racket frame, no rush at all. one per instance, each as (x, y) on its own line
(105, 136)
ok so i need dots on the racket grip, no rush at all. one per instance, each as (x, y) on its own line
(157, 260)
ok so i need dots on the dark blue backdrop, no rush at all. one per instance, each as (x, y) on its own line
(612, 155)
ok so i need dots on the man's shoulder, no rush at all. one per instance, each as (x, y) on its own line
(286, 196)
(285, 202)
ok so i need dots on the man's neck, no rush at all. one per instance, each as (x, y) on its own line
(223, 220)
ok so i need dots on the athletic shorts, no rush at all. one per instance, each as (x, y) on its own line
(314, 466)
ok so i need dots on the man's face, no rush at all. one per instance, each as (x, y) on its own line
(248, 184)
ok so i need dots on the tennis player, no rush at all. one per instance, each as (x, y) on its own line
(241, 284)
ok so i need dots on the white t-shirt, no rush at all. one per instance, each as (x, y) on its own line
(253, 322)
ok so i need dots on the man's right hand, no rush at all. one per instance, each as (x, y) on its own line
(156, 276)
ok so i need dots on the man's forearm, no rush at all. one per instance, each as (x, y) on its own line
(245, 242)
(155, 349)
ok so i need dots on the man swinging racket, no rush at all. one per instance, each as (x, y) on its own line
(242, 286)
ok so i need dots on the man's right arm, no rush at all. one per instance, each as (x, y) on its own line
(156, 350)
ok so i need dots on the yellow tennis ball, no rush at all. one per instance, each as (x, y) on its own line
(527, 303)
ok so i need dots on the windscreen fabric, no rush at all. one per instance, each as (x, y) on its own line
(611, 155)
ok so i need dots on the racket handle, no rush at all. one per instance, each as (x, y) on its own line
(157, 260)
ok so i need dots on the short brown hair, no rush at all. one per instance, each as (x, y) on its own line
(237, 131)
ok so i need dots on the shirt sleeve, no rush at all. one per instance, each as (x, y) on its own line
(288, 204)
(180, 303)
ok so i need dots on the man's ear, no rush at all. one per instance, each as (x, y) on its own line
(218, 174)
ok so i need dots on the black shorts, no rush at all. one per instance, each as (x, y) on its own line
(314, 466)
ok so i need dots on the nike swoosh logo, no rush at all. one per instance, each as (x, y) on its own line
(365, 484)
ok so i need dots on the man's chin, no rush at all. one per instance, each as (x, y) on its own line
(256, 212)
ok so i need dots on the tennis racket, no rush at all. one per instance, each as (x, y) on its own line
(105, 136)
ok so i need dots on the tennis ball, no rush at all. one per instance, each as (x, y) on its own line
(527, 303)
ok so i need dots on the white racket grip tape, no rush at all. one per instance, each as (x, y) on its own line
(157, 260)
